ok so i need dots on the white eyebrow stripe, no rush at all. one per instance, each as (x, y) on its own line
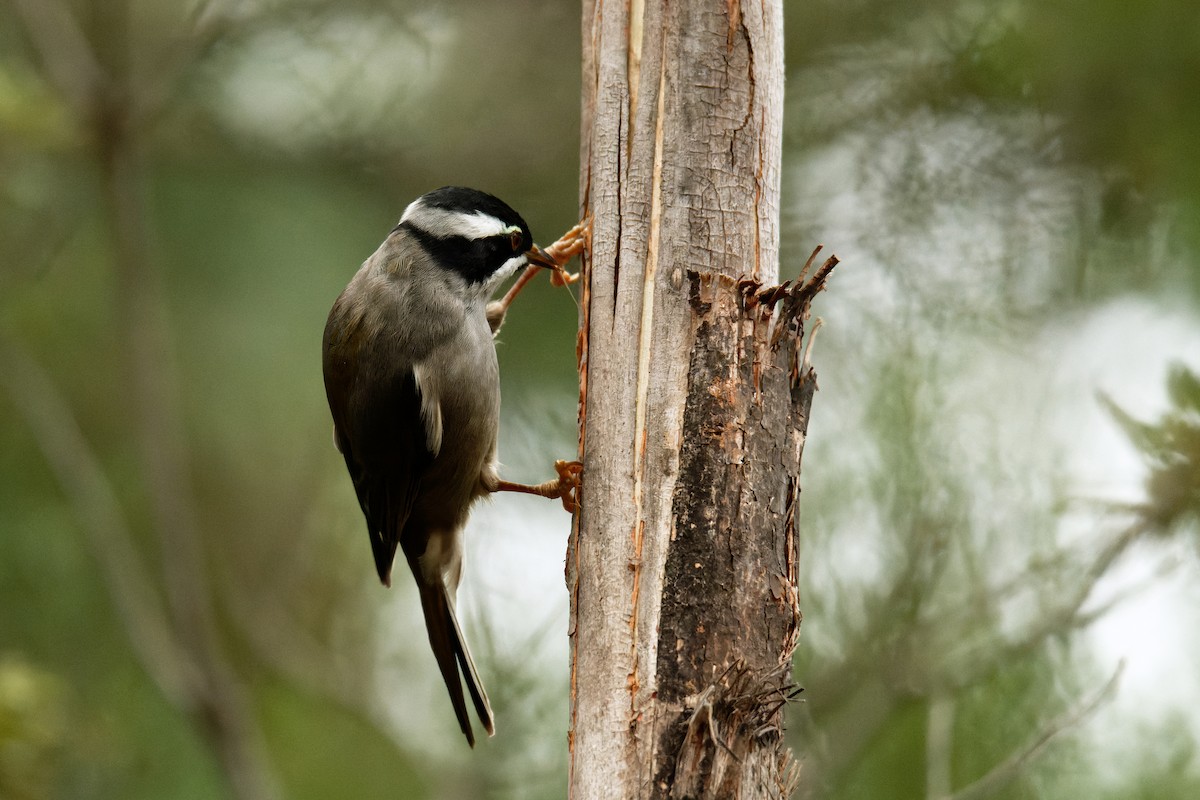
(443, 223)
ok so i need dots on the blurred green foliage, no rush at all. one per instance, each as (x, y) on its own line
(1005, 181)
(1120, 75)
(1171, 448)
(996, 176)
(33, 729)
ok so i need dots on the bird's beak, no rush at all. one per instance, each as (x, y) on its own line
(537, 257)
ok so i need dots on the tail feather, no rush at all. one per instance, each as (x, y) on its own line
(474, 685)
(450, 650)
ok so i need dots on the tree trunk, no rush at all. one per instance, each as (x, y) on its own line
(694, 405)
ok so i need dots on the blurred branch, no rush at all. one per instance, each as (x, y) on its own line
(110, 107)
(221, 708)
(1054, 618)
(1165, 568)
(69, 59)
(279, 640)
(206, 25)
(939, 746)
(1003, 773)
(94, 502)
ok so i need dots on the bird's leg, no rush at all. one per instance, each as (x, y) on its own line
(496, 309)
(565, 487)
(569, 245)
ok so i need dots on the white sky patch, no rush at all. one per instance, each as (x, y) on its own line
(1154, 633)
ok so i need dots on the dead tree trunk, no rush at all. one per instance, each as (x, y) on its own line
(694, 405)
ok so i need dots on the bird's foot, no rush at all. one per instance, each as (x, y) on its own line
(569, 245)
(565, 487)
(570, 475)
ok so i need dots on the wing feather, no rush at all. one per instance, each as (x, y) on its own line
(380, 428)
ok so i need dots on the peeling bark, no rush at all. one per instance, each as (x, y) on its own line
(693, 411)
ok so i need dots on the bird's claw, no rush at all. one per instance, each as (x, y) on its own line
(569, 473)
(569, 245)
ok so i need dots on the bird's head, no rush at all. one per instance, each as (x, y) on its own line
(472, 233)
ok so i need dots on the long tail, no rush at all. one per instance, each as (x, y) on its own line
(450, 649)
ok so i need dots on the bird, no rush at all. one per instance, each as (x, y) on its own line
(413, 386)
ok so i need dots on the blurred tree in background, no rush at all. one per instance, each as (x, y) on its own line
(1011, 188)
(184, 189)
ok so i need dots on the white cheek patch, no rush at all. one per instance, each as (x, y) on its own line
(431, 409)
(508, 268)
(443, 223)
(481, 292)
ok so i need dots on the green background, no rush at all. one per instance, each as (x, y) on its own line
(1000, 480)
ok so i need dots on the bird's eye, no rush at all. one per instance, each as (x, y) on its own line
(516, 237)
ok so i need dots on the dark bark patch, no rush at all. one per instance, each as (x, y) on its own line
(722, 674)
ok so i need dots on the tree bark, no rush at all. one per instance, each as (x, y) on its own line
(694, 406)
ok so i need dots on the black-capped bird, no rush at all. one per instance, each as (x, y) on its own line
(414, 386)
